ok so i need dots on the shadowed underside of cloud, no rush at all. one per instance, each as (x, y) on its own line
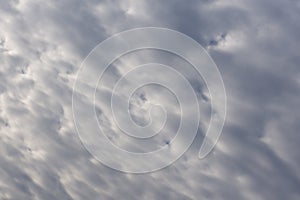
(255, 44)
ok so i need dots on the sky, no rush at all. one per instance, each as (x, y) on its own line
(255, 45)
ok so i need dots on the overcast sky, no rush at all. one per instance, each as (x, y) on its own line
(254, 43)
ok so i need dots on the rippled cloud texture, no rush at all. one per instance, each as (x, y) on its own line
(256, 47)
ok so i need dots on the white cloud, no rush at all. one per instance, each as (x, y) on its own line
(42, 46)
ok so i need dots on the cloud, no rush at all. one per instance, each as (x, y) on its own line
(255, 44)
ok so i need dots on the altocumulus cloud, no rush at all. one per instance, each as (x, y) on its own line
(256, 47)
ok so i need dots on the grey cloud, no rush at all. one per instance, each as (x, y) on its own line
(255, 45)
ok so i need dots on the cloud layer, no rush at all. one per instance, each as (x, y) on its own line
(255, 44)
